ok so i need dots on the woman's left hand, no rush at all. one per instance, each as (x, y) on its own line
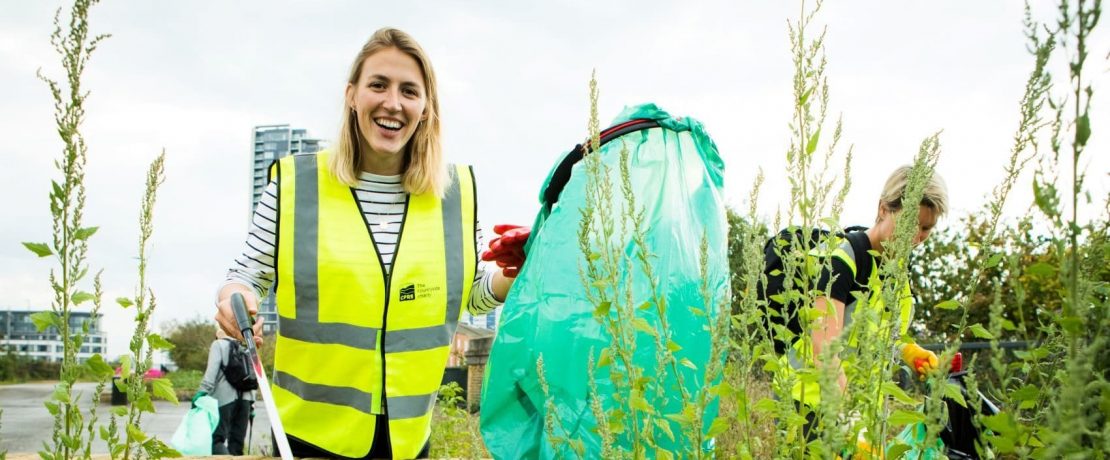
(507, 250)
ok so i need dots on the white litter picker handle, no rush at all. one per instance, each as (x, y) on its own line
(244, 323)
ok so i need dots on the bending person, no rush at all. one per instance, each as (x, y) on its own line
(854, 273)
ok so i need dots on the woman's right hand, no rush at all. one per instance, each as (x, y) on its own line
(226, 318)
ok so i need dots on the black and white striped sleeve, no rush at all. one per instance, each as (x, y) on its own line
(482, 300)
(255, 265)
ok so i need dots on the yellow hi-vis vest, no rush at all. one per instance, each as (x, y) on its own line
(800, 355)
(350, 335)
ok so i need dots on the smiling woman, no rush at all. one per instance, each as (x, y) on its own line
(371, 250)
(391, 98)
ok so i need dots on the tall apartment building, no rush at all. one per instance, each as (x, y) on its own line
(271, 142)
(19, 335)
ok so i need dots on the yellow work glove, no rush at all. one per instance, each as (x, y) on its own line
(921, 360)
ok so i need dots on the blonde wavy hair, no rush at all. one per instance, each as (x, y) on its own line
(423, 170)
(935, 196)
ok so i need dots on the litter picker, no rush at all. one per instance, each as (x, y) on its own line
(244, 323)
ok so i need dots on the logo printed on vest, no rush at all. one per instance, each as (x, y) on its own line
(413, 291)
(408, 292)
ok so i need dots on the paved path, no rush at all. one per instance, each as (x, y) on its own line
(26, 423)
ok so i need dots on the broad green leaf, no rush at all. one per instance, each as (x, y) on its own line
(98, 367)
(144, 403)
(723, 390)
(40, 249)
(811, 146)
(1082, 129)
(85, 233)
(121, 384)
(163, 389)
(124, 302)
(638, 402)
(135, 434)
(720, 425)
(125, 365)
(979, 331)
(1071, 323)
(953, 392)
(766, 405)
(994, 260)
(155, 448)
(61, 393)
(158, 343)
(673, 346)
(805, 96)
(1001, 423)
(664, 427)
(889, 388)
(605, 359)
(681, 418)
(1041, 270)
(52, 407)
(80, 297)
(644, 306)
(1026, 393)
(948, 305)
(119, 411)
(104, 434)
(642, 325)
(896, 451)
(1002, 444)
(902, 417)
(44, 320)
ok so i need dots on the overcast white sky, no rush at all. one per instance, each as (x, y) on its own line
(195, 77)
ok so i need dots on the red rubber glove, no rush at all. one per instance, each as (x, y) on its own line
(507, 250)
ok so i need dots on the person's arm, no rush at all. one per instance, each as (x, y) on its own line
(500, 284)
(215, 359)
(487, 293)
(838, 279)
(826, 329)
(253, 271)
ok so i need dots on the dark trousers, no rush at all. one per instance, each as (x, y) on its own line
(379, 449)
(232, 429)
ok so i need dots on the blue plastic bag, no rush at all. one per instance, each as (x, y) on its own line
(194, 434)
(676, 176)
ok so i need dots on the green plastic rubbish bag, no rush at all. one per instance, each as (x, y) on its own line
(676, 176)
(194, 434)
(914, 436)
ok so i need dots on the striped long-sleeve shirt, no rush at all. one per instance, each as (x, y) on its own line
(382, 200)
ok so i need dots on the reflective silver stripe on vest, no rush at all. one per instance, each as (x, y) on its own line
(341, 396)
(409, 406)
(453, 247)
(426, 338)
(306, 280)
(421, 338)
(306, 326)
(363, 338)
